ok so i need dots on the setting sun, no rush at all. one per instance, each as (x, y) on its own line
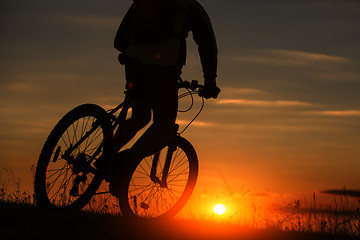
(219, 209)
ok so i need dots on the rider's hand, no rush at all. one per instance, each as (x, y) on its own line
(209, 91)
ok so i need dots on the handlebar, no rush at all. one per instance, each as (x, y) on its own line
(193, 85)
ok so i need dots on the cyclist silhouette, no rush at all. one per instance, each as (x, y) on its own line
(151, 40)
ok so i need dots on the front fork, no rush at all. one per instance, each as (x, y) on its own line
(169, 154)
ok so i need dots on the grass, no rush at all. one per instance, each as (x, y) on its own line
(21, 219)
(24, 221)
(330, 219)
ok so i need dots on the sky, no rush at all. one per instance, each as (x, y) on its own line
(285, 124)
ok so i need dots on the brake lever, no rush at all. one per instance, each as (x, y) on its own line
(194, 84)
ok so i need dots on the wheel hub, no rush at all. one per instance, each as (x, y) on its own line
(80, 164)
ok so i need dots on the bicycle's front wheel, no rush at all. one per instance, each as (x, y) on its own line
(65, 174)
(142, 197)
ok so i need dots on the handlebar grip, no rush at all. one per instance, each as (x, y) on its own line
(209, 92)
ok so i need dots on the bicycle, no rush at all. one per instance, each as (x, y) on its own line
(73, 161)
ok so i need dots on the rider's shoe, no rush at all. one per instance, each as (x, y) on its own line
(120, 171)
(102, 167)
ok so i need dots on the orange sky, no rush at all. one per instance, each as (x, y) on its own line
(287, 122)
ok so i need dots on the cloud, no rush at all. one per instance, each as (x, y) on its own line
(340, 113)
(257, 128)
(263, 103)
(343, 192)
(93, 21)
(281, 57)
(196, 123)
(340, 76)
(20, 87)
(232, 90)
(304, 56)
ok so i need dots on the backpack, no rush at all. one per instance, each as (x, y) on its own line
(156, 31)
(154, 22)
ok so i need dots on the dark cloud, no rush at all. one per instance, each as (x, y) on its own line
(310, 26)
(342, 192)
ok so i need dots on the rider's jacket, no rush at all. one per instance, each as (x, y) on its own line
(157, 34)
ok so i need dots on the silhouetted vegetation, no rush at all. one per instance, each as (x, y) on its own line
(21, 219)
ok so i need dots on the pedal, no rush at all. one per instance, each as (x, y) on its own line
(74, 191)
(144, 205)
(101, 168)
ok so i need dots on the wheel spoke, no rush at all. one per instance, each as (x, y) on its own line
(52, 183)
(54, 196)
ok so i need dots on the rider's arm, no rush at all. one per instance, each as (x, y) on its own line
(122, 37)
(203, 34)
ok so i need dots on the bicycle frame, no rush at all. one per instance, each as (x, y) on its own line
(191, 88)
(120, 119)
(75, 160)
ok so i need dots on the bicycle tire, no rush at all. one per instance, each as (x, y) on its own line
(141, 198)
(63, 184)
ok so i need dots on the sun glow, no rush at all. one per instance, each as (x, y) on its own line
(219, 209)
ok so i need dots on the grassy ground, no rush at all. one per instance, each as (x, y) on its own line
(21, 219)
(26, 221)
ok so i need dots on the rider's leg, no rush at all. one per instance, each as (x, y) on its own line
(156, 137)
(163, 97)
(141, 109)
(161, 94)
(140, 117)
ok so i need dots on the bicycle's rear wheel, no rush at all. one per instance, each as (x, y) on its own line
(68, 178)
(143, 198)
